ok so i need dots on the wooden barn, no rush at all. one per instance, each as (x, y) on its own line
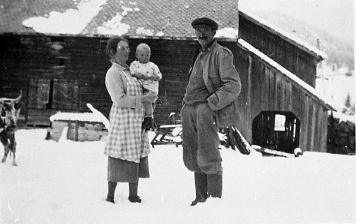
(62, 66)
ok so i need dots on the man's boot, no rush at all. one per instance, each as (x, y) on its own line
(201, 188)
(215, 185)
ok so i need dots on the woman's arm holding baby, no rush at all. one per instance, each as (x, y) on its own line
(140, 76)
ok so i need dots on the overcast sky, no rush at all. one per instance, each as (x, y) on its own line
(335, 16)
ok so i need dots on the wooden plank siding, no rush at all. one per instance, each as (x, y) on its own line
(278, 49)
(271, 90)
(82, 61)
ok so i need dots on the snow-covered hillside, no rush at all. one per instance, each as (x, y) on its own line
(65, 182)
(336, 87)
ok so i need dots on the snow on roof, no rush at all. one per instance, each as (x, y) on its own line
(115, 26)
(286, 35)
(64, 116)
(168, 18)
(72, 21)
(227, 32)
(280, 68)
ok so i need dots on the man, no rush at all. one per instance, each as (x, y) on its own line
(210, 102)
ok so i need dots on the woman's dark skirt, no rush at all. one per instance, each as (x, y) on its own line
(125, 171)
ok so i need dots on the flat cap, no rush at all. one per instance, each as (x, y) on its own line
(204, 21)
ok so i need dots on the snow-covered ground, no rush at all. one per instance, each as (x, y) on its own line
(65, 182)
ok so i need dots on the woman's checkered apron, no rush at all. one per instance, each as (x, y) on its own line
(127, 140)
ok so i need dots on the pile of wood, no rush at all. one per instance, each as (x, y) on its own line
(341, 136)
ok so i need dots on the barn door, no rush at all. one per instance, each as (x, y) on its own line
(276, 130)
(39, 91)
(65, 94)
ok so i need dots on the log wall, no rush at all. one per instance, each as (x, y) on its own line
(75, 67)
(67, 72)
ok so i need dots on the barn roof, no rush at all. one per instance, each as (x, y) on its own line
(160, 18)
(133, 18)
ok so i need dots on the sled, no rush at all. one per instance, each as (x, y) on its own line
(169, 133)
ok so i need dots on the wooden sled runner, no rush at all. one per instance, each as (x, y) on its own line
(169, 133)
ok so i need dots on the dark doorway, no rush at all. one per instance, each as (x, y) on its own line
(276, 130)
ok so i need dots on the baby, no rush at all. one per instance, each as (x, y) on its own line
(148, 74)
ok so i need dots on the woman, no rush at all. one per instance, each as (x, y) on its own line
(128, 145)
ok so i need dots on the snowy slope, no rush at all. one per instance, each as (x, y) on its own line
(65, 182)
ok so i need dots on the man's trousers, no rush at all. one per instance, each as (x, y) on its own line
(201, 148)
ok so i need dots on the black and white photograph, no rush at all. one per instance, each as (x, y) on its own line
(185, 111)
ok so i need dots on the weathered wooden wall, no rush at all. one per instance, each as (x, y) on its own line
(279, 49)
(76, 66)
(67, 72)
(265, 88)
